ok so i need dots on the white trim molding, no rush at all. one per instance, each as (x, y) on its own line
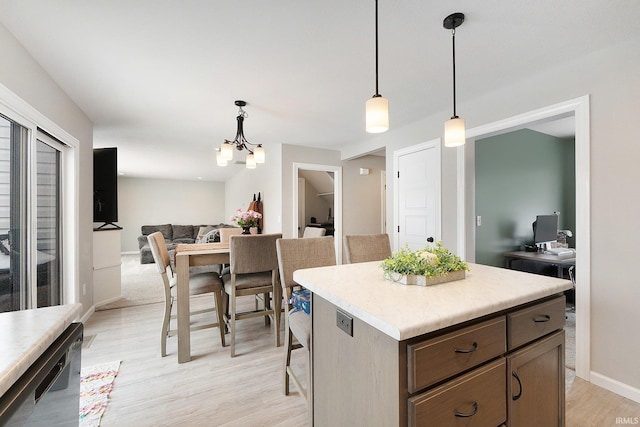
(579, 108)
(615, 386)
(15, 108)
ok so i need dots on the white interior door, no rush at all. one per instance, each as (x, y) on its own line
(417, 194)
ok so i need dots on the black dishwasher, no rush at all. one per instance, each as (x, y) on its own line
(48, 393)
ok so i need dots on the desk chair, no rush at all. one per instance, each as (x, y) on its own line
(366, 247)
(294, 254)
(200, 283)
(253, 270)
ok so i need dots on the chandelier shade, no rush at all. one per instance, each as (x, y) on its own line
(258, 154)
(240, 143)
(220, 161)
(226, 150)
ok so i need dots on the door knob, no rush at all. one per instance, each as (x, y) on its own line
(430, 239)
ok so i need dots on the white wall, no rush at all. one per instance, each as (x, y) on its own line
(21, 74)
(362, 195)
(610, 77)
(265, 179)
(143, 201)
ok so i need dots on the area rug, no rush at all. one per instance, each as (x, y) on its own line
(96, 382)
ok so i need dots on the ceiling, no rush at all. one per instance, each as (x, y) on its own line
(158, 78)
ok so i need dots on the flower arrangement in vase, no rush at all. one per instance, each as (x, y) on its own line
(246, 219)
(428, 266)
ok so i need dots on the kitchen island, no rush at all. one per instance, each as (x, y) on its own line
(387, 354)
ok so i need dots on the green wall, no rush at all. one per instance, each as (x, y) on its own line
(520, 175)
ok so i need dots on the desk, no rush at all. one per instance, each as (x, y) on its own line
(561, 261)
(190, 255)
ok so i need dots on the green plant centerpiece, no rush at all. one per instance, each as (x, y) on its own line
(428, 266)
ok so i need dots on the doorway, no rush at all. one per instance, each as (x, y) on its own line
(327, 200)
(578, 109)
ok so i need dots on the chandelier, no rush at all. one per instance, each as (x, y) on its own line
(225, 153)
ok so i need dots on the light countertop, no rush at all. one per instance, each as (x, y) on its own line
(406, 311)
(25, 335)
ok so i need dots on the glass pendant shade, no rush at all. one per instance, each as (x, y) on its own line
(377, 114)
(454, 132)
(258, 154)
(219, 160)
(227, 151)
(250, 161)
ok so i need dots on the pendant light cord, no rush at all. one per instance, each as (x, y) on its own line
(453, 38)
(377, 94)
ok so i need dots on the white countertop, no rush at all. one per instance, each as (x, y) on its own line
(406, 311)
(25, 335)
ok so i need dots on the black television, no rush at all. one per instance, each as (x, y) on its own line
(105, 186)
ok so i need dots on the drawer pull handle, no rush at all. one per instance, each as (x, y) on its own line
(473, 348)
(463, 415)
(517, 396)
(542, 319)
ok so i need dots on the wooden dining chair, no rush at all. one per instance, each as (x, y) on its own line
(199, 283)
(294, 254)
(366, 247)
(227, 232)
(253, 270)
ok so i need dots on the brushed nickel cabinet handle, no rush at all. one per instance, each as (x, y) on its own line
(473, 348)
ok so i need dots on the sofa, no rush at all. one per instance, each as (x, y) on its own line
(176, 234)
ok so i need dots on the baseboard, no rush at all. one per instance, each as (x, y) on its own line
(107, 301)
(88, 314)
(130, 253)
(615, 386)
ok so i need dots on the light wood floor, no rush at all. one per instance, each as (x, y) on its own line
(216, 390)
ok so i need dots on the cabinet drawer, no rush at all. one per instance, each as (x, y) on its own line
(477, 398)
(533, 322)
(439, 358)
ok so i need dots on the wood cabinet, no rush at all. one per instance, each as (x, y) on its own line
(504, 368)
(536, 383)
(468, 400)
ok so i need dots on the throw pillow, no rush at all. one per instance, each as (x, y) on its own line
(204, 230)
(182, 232)
(165, 229)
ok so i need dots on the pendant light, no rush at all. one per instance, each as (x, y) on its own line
(377, 108)
(454, 129)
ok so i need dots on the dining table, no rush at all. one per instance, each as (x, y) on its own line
(192, 255)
